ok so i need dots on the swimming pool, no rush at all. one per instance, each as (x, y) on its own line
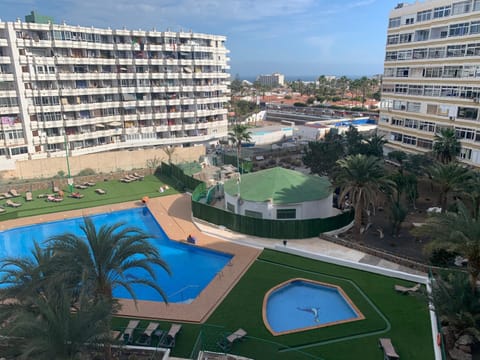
(192, 267)
(301, 304)
(355, 122)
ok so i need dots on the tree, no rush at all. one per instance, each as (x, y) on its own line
(106, 256)
(374, 146)
(362, 178)
(459, 232)
(446, 146)
(397, 156)
(450, 179)
(353, 139)
(321, 156)
(239, 135)
(169, 150)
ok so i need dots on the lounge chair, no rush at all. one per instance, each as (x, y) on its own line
(14, 193)
(51, 198)
(130, 177)
(389, 352)
(100, 191)
(138, 176)
(7, 195)
(146, 337)
(128, 333)
(2, 210)
(168, 340)
(406, 290)
(13, 204)
(125, 180)
(76, 195)
(88, 183)
(226, 342)
(28, 196)
(81, 187)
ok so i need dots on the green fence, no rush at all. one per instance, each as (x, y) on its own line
(245, 165)
(183, 181)
(277, 229)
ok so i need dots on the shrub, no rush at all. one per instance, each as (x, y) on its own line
(442, 257)
(86, 172)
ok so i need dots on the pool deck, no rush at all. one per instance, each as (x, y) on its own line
(173, 213)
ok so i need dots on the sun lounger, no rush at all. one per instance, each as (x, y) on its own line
(226, 343)
(130, 177)
(2, 210)
(76, 195)
(13, 204)
(14, 193)
(88, 183)
(168, 340)
(146, 337)
(138, 176)
(405, 290)
(28, 196)
(128, 333)
(54, 199)
(100, 191)
(124, 180)
(114, 334)
(7, 195)
(389, 352)
(81, 187)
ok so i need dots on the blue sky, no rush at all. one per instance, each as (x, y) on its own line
(294, 37)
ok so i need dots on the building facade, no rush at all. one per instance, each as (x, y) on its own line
(78, 90)
(272, 80)
(431, 78)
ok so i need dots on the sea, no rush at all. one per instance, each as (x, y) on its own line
(291, 78)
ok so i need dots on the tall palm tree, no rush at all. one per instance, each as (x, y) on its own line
(450, 179)
(458, 232)
(374, 146)
(107, 255)
(237, 136)
(362, 178)
(446, 146)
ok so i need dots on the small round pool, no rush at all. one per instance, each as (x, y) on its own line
(301, 304)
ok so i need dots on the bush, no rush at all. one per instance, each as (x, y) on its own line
(442, 257)
(86, 172)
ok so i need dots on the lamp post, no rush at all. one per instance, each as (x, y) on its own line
(69, 177)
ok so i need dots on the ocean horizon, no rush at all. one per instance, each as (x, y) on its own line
(289, 78)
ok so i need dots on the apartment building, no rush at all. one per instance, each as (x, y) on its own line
(273, 80)
(431, 78)
(86, 90)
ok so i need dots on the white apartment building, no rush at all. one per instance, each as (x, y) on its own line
(432, 76)
(274, 79)
(88, 90)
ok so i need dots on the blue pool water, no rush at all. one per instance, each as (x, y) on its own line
(301, 304)
(192, 268)
(356, 122)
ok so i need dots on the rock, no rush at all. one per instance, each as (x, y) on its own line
(465, 348)
(448, 337)
(465, 340)
(457, 354)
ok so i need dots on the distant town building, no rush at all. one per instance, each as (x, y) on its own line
(431, 78)
(87, 90)
(274, 79)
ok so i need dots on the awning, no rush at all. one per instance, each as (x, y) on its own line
(115, 123)
(99, 125)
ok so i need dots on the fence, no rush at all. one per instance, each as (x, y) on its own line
(176, 173)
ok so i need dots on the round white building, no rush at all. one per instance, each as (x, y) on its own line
(280, 194)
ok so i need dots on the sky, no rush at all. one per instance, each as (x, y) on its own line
(298, 38)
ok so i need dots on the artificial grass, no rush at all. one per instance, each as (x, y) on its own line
(406, 319)
(116, 192)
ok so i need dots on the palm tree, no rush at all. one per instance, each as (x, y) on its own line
(362, 178)
(374, 146)
(446, 146)
(237, 136)
(108, 255)
(459, 232)
(450, 178)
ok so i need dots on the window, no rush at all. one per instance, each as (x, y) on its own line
(394, 22)
(409, 140)
(426, 126)
(436, 53)
(399, 105)
(230, 207)
(424, 15)
(434, 72)
(410, 123)
(401, 88)
(396, 136)
(455, 50)
(415, 90)
(449, 91)
(461, 7)
(452, 71)
(431, 90)
(422, 35)
(389, 72)
(420, 53)
(18, 151)
(390, 56)
(405, 38)
(403, 72)
(392, 39)
(388, 88)
(254, 214)
(475, 27)
(286, 213)
(409, 21)
(465, 154)
(432, 109)
(397, 122)
(458, 29)
(413, 107)
(424, 143)
(473, 49)
(465, 133)
(476, 5)
(467, 113)
(440, 12)
(405, 54)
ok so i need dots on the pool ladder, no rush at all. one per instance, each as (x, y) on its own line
(182, 291)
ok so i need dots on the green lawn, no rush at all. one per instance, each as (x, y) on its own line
(117, 192)
(402, 318)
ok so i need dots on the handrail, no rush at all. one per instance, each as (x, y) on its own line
(183, 289)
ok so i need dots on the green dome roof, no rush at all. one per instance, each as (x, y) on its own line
(281, 185)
